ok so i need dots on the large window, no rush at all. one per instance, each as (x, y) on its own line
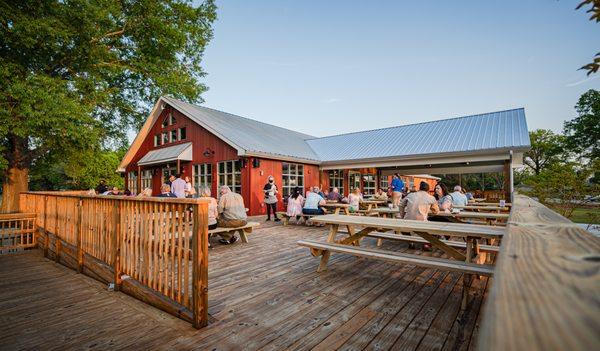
(132, 182)
(353, 180)
(165, 138)
(157, 140)
(293, 176)
(384, 182)
(182, 134)
(202, 176)
(336, 180)
(369, 184)
(146, 179)
(174, 135)
(230, 173)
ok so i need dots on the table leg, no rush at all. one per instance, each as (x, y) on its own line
(324, 253)
(467, 277)
(337, 210)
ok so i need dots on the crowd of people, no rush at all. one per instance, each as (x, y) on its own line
(229, 210)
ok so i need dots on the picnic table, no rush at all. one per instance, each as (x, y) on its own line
(484, 208)
(427, 231)
(337, 207)
(507, 204)
(490, 218)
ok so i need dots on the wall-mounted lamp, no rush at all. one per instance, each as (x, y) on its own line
(208, 152)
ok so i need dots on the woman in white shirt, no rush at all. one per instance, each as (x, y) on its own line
(354, 200)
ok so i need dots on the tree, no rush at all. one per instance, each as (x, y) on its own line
(594, 12)
(547, 148)
(77, 75)
(583, 132)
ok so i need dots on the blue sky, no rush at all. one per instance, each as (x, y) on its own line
(329, 67)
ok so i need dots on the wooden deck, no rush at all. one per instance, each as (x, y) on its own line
(262, 295)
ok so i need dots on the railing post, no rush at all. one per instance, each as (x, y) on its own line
(45, 225)
(78, 235)
(200, 265)
(116, 244)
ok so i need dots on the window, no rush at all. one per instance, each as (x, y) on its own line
(168, 171)
(384, 182)
(132, 182)
(174, 135)
(147, 179)
(230, 174)
(165, 138)
(165, 122)
(336, 180)
(369, 184)
(157, 140)
(293, 176)
(182, 134)
(172, 119)
(353, 180)
(202, 175)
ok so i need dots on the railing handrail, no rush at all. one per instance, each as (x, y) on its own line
(122, 197)
(545, 290)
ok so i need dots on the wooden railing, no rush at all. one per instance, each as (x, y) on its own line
(17, 232)
(546, 289)
(155, 249)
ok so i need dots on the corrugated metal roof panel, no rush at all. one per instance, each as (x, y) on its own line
(167, 154)
(496, 130)
(247, 134)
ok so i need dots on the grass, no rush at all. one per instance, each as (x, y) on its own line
(586, 215)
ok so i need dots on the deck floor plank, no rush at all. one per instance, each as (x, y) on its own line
(262, 295)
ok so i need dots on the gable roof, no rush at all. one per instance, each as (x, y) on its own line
(248, 136)
(496, 131)
(490, 131)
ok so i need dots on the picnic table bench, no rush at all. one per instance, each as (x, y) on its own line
(487, 208)
(428, 231)
(285, 219)
(243, 230)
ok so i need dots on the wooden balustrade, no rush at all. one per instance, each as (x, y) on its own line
(17, 232)
(155, 249)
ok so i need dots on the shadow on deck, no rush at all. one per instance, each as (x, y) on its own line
(262, 295)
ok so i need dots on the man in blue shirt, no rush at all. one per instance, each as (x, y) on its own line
(397, 186)
(312, 202)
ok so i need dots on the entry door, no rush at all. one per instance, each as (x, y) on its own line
(353, 180)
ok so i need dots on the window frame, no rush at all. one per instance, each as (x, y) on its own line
(232, 173)
(179, 133)
(202, 174)
(146, 181)
(336, 180)
(132, 182)
(292, 176)
(369, 183)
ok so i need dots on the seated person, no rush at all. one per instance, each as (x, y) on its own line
(232, 213)
(294, 203)
(313, 200)
(146, 193)
(334, 195)
(165, 191)
(417, 206)
(114, 191)
(443, 197)
(213, 211)
(354, 200)
(325, 194)
(458, 198)
(380, 195)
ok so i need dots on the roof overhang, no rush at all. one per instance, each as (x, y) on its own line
(278, 157)
(425, 160)
(181, 152)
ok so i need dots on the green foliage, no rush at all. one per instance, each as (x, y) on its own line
(583, 132)
(54, 172)
(563, 186)
(594, 11)
(547, 149)
(77, 75)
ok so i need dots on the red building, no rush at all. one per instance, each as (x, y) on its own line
(215, 148)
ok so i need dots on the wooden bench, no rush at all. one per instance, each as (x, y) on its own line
(417, 239)
(417, 260)
(247, 229)
(285, 219)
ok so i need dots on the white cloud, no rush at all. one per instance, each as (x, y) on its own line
(331, 100)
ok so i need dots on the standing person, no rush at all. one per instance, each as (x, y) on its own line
(270, 190)
(443, 197)
(397, 186)
(458, 198)
(354, 200)
(177, 186)
(295, 202)
(190, 191)
(417, 205)
(232, 213)
(102, 187)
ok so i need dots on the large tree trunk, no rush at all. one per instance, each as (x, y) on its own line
(16, 178)
(14, 183)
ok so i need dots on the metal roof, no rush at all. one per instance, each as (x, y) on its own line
(489, 131)
(167, 154)
(247, 135)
